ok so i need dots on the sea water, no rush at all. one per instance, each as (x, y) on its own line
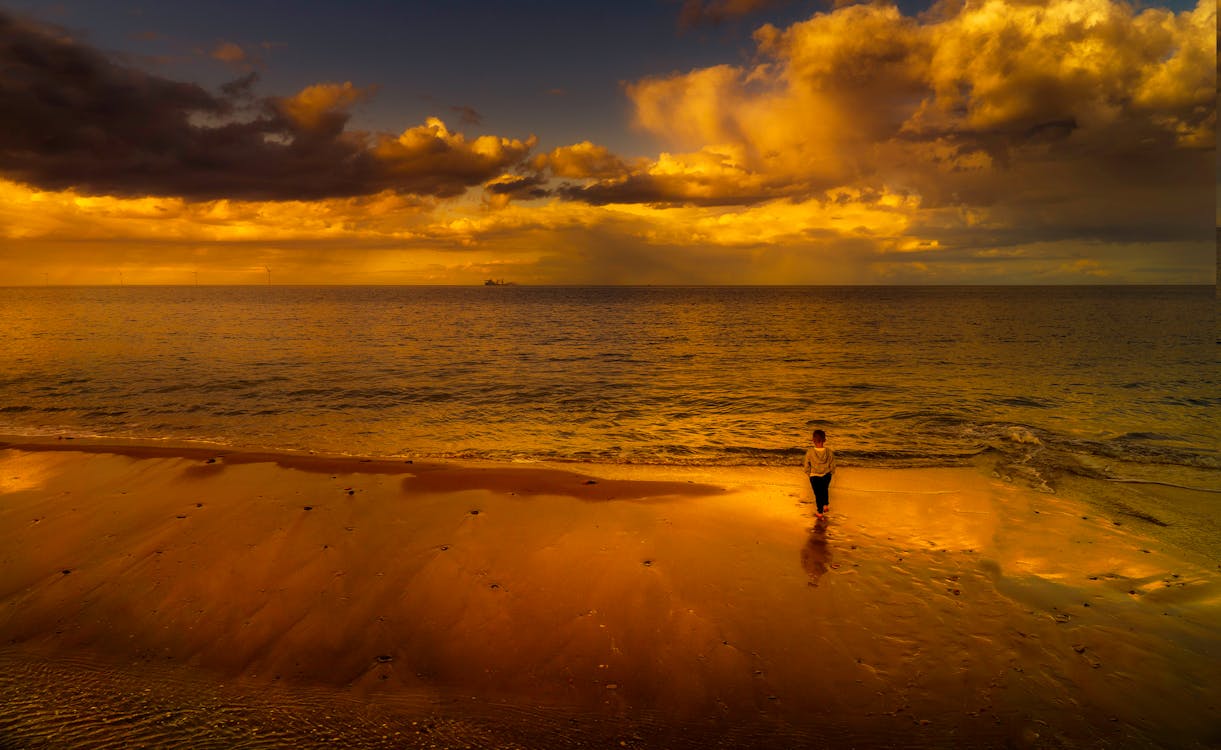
(1043, 377)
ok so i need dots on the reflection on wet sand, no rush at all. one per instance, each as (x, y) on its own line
(816, 555)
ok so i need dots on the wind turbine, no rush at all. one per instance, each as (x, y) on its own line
(268, 270)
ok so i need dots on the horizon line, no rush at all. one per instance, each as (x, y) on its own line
(520, 285)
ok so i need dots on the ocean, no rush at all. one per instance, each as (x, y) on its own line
(1112, 381)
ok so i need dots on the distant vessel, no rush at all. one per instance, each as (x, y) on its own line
(498, 282)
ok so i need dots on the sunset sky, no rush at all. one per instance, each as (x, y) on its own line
(646, 142)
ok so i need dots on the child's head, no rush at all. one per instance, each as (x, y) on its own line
(819, 436)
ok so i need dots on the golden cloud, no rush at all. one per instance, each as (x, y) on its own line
(429, 159)
(581, 160)
(846, 236)
(984, 141)
(323, 106)
(1005, 121)
(49, 216)
(1093, 65)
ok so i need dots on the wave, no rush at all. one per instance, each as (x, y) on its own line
(628, 435)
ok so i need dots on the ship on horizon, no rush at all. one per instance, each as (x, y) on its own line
(498, 282)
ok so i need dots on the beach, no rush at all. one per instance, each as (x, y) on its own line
(154, 594)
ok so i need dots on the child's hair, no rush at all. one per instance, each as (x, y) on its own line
(820, 435)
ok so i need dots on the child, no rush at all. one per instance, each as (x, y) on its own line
(818, 464)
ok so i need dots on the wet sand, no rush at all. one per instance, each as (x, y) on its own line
(171, 595)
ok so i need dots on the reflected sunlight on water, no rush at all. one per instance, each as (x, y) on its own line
(1045, 378)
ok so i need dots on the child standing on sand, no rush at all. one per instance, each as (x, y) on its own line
(819, 464)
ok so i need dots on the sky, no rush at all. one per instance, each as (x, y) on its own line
(635, 142)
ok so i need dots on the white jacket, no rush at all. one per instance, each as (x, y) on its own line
(819, 461)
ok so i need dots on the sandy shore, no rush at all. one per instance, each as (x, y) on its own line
(183, 596)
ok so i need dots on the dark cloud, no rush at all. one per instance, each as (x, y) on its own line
(74, 119)
(715, 12)
(665, 190)
(525, 187)
(241, 89)
(467, 115)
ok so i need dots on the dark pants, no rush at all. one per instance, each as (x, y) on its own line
(821, 485)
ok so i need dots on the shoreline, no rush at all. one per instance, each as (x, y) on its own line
(510, 602)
